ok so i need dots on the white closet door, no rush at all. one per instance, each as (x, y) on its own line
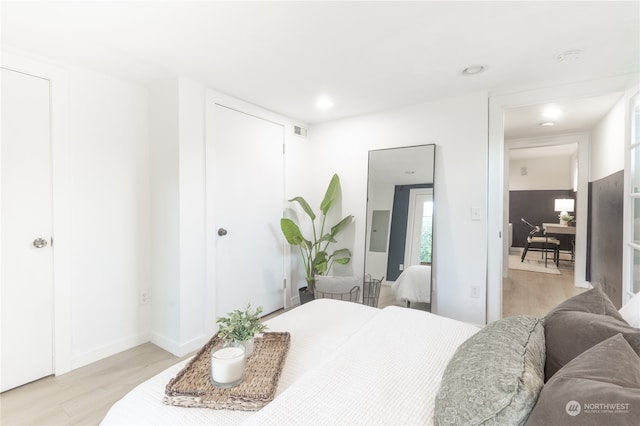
(245, 166)
(27, 270)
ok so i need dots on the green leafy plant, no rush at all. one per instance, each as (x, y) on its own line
(566, 217)
(314, 250)
(240, 325)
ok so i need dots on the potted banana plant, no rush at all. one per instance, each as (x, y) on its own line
(316, 256)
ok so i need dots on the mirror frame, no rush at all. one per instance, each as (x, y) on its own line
(367, 235)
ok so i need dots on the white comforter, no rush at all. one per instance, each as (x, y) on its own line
(414, 284)
(347, 364)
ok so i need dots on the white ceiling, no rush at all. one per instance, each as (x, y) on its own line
(366, 56)
(577, 115)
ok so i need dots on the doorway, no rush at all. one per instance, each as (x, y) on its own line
(497, 224)
(27, 255)
(540, 177)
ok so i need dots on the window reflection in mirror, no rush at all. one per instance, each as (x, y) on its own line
(399, 234)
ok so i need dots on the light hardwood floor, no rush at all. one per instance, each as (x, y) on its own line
(534, 293)
(83, 396)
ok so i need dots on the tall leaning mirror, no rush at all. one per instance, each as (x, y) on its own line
(399, 235)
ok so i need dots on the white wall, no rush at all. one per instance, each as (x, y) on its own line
(193, 286)
(165, 247)
(458, 127)
(102, 210)
(110, 214)
(608, 143)
(546, 173)
(180, 322)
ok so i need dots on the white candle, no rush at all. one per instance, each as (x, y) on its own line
(227, 365)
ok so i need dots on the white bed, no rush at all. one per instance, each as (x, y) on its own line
(413, 284)
(347, 364)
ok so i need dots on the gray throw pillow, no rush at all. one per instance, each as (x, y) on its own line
(600, 386)
(594, 301)
(580, 323)
(495, 376)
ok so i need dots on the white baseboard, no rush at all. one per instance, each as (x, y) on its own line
(178, 349)
(295, 300)
(105, 351)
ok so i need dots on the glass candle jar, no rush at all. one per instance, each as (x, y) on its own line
(227, 365)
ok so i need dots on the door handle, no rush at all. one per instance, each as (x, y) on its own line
(39, 243)
(222, 232)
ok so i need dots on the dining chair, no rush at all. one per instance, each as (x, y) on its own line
(542, 243)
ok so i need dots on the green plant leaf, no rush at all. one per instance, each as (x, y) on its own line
(341, 225)
(291, 232)
(305, 206)
(320, 262)
(240, 325)
(327, 237)
(341, 256)
(330, 195)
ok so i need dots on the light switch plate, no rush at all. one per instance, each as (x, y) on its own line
(476, 213)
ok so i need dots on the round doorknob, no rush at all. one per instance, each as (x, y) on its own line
(222, 232)
(39, 243)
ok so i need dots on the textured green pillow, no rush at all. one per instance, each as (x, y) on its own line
(494, 378)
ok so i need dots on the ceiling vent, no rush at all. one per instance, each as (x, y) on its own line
(300, 131)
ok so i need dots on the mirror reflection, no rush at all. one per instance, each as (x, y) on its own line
(399, 235)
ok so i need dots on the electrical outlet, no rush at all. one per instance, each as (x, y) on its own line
(401, 267)
(143, 297)
(475, 291)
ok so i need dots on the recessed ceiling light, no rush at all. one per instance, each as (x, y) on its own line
(474, 69)
(552, 112)
(547, 124)
(569, 55)
(324, 103)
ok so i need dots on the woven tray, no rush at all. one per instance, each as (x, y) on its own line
(192, 386)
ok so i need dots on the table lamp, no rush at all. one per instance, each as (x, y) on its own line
(564, 205)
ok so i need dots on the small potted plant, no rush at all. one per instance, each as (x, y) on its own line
(565, 218)
(241, 326)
